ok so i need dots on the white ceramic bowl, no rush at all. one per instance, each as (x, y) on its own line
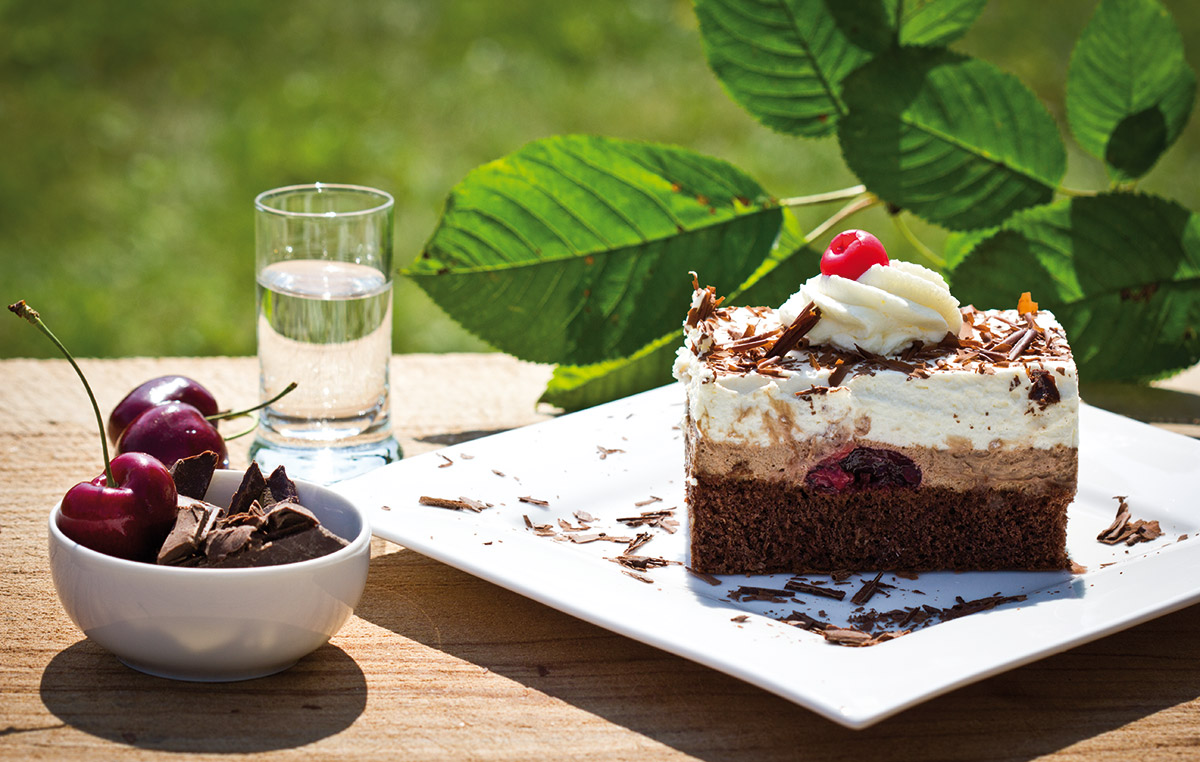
(216, 625)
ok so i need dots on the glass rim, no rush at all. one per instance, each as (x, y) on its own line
(261, 200)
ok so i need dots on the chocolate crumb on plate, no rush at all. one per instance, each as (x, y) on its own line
(740, 618)
(606, 451)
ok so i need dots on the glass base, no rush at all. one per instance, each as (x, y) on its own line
(324, 465)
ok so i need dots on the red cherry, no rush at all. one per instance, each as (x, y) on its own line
(851, 253)
(171, 431)
(156, 391)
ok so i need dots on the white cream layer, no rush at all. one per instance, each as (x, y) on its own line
(951, 408)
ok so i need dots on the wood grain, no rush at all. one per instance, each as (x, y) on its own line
(437, 664)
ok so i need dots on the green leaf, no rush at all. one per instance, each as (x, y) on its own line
(784, 60)
(959, 245)
(576, 249)
(574, 387)
(1129, 88)
(933, 22)
(1120, 271)
(950, 138)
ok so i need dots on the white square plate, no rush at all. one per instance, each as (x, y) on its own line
(609, 460)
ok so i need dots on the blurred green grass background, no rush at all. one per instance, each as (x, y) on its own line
(136, 134)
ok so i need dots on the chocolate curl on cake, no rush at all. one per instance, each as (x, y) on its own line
(803, 323)
(704, 302)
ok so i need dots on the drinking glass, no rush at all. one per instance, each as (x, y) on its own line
(324, 273)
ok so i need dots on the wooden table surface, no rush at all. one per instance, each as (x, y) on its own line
(436, 664)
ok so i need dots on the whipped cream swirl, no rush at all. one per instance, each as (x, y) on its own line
(884, 311)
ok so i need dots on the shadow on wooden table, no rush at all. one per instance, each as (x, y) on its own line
(88, 689)
(1034, 710)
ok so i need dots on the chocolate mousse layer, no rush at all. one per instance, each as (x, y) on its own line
(957, 467)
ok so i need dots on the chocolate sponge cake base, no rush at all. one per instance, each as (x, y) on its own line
(757, 526)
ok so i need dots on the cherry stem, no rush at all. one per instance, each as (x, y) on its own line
(239, 413)
(22, 310)
(824, 198)
(939, 263)
(250, 430)
(865, 201)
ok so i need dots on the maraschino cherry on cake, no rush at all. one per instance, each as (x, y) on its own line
(871, 423)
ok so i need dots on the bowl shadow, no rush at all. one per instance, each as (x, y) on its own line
(1029, 711)
(323, 694)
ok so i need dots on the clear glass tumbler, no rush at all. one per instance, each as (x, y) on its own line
(324, 273)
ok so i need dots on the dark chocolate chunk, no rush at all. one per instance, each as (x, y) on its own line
(193, 474)
(279, 489)
(226, 541)
(287, 518)
(310, 543)
(248, 491)
(192, 523)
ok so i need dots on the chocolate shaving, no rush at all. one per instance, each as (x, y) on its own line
(637, 542)
(963, 608)
(753, 593)
(1126, 529)
(704, 303)
(803, 323)
(583, 539)
(605, 451)
(804, 621)
(448, 462)
(638, 577)
(798, 586)
(461, 504)
(642, 563)
(534, 501)
(846, 636)
(867, 591)
(1026, 338)
(840, 370)
(660, 518)
(710, 579)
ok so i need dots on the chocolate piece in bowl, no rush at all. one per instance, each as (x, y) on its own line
(193, 474)
(257, 529)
